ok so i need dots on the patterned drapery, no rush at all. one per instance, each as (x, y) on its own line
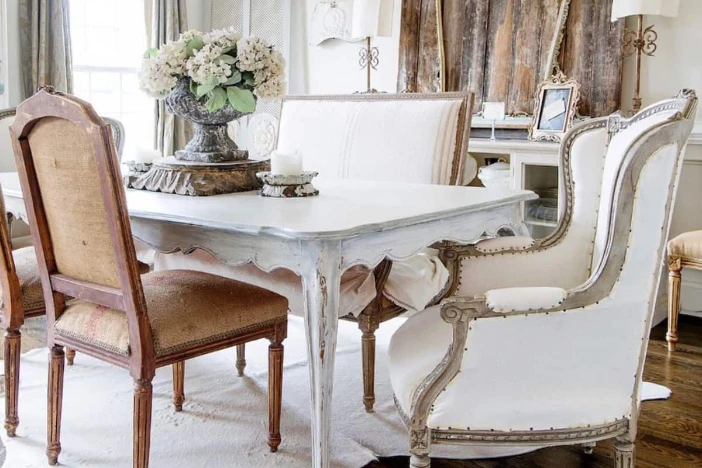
(165, 21)
(45, 45)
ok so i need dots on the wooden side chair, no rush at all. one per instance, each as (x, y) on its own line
(684, 251)
(78, 217)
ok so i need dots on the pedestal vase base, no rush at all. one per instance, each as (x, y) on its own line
(169, 175)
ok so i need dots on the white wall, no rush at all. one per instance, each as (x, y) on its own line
(677, 64)
(332, 67)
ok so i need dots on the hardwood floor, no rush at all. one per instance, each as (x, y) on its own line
(670, 431)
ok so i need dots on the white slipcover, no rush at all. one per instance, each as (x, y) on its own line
(392, 138)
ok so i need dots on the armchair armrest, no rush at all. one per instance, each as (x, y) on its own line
(511, 299)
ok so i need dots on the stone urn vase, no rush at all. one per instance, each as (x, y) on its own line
(210, 142)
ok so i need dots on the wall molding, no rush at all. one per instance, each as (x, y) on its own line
(696, 135)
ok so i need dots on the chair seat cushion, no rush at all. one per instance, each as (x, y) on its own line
(30, 282)
(485, 398)
(185, 308)
(687, 245)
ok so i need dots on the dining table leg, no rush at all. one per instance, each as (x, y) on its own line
(321, 279)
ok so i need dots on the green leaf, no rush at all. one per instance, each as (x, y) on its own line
(196, 43)
(217, 100)
(234, 79)
(193, 87)
(249, 78)
(241, 99)
(227, 59)
(150, 53)
(206, 87)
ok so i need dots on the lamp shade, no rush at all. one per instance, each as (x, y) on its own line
(624, 8)
(371, 18)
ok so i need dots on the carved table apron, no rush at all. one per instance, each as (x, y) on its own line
(350, 223)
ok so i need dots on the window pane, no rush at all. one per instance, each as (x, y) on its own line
(109, 40)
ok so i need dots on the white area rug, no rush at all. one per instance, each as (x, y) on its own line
(224, 422)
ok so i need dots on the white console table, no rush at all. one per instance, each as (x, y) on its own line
(533, 166)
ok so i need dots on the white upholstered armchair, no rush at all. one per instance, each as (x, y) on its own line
(543, 342)
(413, 138)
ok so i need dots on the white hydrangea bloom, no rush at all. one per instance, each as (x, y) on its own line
(159, 74)
(206, 64)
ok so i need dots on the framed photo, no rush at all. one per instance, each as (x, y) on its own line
(556, 103)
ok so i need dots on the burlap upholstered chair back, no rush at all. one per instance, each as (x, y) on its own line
(76, 206)
(71, 194)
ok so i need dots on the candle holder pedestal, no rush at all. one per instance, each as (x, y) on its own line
(288, 186)
(170, 175)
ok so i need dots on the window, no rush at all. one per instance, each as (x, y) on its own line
(109, 39)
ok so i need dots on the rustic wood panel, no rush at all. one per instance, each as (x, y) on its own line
(499, 50)
(454, 14)
(429, 72)
(590, 35)
(409, 46)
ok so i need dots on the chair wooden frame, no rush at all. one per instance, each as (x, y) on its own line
(675, 265)
(14, 315)
(461, 311)
(382, 309)
(142, 360)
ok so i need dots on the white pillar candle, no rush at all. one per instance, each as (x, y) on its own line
(286, 163)
(146, 156)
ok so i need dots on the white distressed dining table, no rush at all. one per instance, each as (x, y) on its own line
(351, 222)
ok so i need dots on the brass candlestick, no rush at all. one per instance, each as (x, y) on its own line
(640, 42)
(368, 59)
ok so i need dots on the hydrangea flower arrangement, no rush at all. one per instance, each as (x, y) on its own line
(222, 67)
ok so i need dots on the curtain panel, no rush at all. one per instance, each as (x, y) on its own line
(165, 21)
(499, 50)
(45, 45)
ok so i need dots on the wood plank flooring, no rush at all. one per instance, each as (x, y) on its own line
(670, 431)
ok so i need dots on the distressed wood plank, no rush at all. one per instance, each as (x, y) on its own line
(592, 55)
(429, 65)
(500, 45)
(454, 14)
(409, 46)
(475, 27)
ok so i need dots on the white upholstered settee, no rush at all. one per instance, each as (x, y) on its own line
(414, 138)
(543, 342)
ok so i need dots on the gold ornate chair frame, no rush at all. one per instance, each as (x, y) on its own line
(461, 311)
(381, 308)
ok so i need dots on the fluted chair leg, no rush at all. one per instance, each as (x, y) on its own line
(275, 393)
(13, 342)
(623, 452)
(240, 359)
(179, 385)
(70, 356)
(368, 328)
(674, 287)
(56, 369)
(143, 396)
